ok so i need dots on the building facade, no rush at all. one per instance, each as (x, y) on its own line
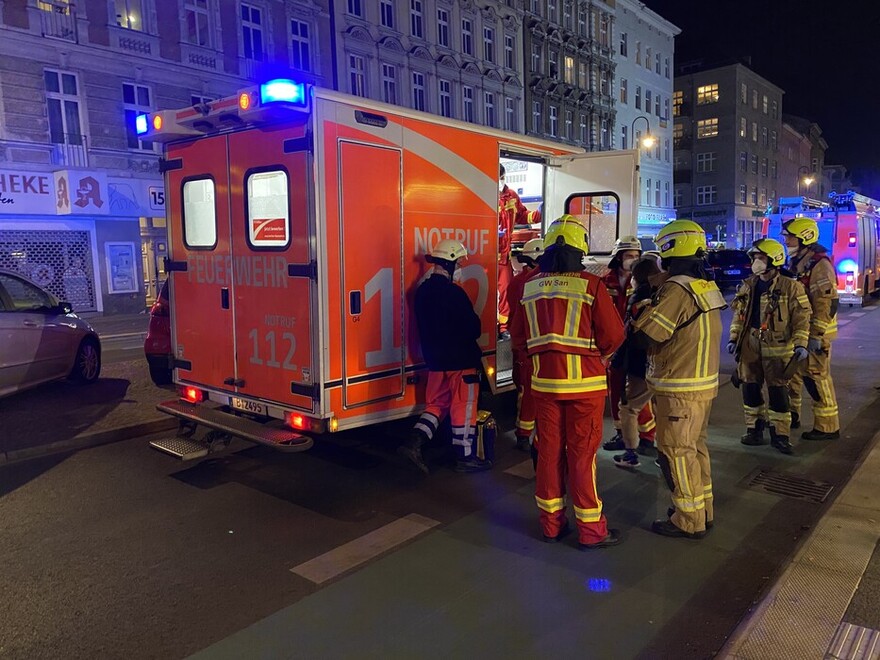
(82, 204)
(808, 179)
(726, 138)
(644, 57)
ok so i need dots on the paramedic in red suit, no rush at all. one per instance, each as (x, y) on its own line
(618, 280)
(571, 328)
(448, 332)
(511, 212)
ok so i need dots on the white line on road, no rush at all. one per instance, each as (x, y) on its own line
(840, 324)
(856, 315)
(361, 550)
(523, 470)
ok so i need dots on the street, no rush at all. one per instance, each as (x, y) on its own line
(120, 551)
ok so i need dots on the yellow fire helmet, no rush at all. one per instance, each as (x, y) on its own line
(772, 249)
(572, 232)
(681, 238)
(449, 250)
(533, 248)
(805, 229)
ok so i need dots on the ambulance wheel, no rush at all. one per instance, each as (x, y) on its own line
(87, 365)
(160, 375)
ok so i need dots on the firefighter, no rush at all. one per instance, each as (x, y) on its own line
(522, 366)
(626, 252)
(632, 361)
(511, 212)
(448, 330)
(570, 329)
(810, 264)
(770, 328)
(681, 332)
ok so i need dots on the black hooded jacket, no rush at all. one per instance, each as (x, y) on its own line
(448, 325)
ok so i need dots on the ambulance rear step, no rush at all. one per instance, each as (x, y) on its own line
(215, 418)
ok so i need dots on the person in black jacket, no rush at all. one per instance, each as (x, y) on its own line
(448, 330)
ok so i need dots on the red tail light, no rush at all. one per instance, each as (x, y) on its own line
(296, 421)
(192, 394)
(852, 240)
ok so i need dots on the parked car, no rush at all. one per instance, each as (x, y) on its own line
(41, 339)
(157, 345)
(729, 267)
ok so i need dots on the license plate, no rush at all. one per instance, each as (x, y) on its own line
(250, 406)
(733, 272)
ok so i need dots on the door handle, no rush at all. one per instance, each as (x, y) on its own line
(224, 298)
(354, 302)
(29, 324)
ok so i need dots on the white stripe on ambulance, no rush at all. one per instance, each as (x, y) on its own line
(259, 270)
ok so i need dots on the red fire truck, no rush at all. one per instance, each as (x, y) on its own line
(298, 222)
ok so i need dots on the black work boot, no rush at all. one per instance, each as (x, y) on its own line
(522, 442)
(614, 443)
(795, 420)
(752, 437)
(782, 444)
(412, 450)
(820, 435)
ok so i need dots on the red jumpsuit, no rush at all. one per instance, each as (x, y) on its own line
(522, 366)
(619, 293)
(569, 324)
(511, 212)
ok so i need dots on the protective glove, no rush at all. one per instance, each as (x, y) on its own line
(731, 347)
(800, 353)
(814, 345)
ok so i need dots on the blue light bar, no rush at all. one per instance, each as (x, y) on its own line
(284, 91)
(140, 125)
(847, 266)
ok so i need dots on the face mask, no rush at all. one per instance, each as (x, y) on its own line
(759, 267)
(627, 264)
(456, 274)
(501, 185)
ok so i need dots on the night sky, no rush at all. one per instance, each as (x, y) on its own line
(824, 55)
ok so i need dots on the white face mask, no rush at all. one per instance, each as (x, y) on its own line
(456, 274)
(759, 267)
(501, 185)
(627, 264)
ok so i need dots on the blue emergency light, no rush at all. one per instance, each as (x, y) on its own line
(282, 90)
(847, 266)
(140, 125)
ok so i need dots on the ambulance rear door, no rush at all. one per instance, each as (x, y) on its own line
(600, 188)
(275, 270)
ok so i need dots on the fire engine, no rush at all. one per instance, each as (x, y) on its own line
(298, 221)
(849, 227)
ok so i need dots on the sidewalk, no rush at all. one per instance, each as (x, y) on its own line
(119, 324)
(61, 416)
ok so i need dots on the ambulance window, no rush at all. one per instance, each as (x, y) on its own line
(599, 212)
(267, 209)
(199, 214)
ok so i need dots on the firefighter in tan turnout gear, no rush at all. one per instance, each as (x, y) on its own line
(768, 334)
(810, 264)
(681, 331)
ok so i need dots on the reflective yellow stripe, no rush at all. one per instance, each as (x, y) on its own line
(650, 426)
(703, 347)
(564, 340)
(662, 321)
(565, 385)
(785, 350)
(585, 298)
(532, 319)
(683, 384)
(588, 515)
(551, 506)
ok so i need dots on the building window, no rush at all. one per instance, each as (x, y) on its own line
(754, 164)
(648, 58)
(623, 50)
(754, 131)
(355, 8)
(552, 14)
(389, 83)
(252, 32)
(762, 200)
(554, 63)
(536, 58)
(604, 135)
(63, 103)
(677, 197)
(772, 197)
(569, 125)
(603, 83)
(773, 140)
(774, 110)
(197, 31)
(623, 131)
(603, 30)
(569, 69)
(136, 101)
(743, 192)
(743, 161)
(765, 142)
(707, 128)
(773, 170)
(647, 100)
(707, 94)
(467, 36)
(386, 13)
(416, 19)
(357, 77)
(510, 115)
(657, 193)
(677, 133)
(509, 61)
(445, 88)
(536, 117)
(765, 104)
(677, 102)
(638, 97)
(706, 161)
(582, 75)
(623, 90)
(301, 56)
(666, 193)
(648, 192)
(639, 53)
(754, 99)
(706, 195)
(489, 108)
(443, 27)
(666, 68)
(488, 44)
(666, 150)
(582, 21)
(582, 131)
(657, 66)
(754, 195)
(665, 109)
(418, 80)
(743, 94)
(467, 105)
(554, 121)
(657, 105)
(130, 15)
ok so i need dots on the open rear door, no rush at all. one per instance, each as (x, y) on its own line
(600, 188)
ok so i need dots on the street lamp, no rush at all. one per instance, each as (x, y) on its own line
(807, 179)
(649, 140)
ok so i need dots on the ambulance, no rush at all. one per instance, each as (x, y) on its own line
(299, 220)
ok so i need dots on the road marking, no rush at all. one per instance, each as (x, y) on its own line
(870, 309)
(856, 315)
(524, 470)
(840, 324)
(361, 550)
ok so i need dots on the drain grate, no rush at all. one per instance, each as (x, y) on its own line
(789, 485)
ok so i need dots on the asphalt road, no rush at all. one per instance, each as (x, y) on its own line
(120, 551)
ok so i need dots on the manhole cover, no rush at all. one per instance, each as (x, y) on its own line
(789, 485)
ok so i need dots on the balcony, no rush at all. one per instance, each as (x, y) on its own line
(59, 23)
(134, 41)
(198, 56)
(71, 151)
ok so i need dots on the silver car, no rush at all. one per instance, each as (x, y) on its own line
(41, 339)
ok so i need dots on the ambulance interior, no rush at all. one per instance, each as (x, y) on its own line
(599, 211)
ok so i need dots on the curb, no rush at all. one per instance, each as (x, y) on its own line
(88, 440)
